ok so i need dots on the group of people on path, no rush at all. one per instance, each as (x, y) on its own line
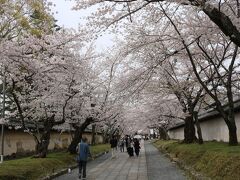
(132, 145)
(83, 151)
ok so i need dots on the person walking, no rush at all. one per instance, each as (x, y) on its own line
(127, 141)
(113, 143)
(83, 154)
(136, 145)
(129, 146)
(122, 145)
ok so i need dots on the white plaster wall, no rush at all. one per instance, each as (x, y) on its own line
(20, 142)
(176, 133)
(237, 119)
(214, 129)
(17, 142)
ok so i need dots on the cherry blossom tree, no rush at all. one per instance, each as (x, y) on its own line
(216, 72)
(101, 100)
(179, 35)
(149, 66)
(224, 14)
(43, 82)
(162, 113)
(109, 98)
(45, 66)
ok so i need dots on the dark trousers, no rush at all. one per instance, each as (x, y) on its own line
(122, 148)
(137, 151)
(82, 168)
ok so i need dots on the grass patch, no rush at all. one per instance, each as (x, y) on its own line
(37, 168)
(99, 148)
(213, 159)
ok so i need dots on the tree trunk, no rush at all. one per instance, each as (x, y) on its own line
(78, 135)
(42, 146)
(105, 137)
(229, 118)
(76, 139)
(233, 140)
(163, 133)
(93, 134)
(223, 22)
(189, 130)
(199, 131)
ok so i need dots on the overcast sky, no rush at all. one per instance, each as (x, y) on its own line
(71, 19)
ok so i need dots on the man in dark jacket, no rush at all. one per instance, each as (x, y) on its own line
(113, 143)
(83, 153)
(136, 146)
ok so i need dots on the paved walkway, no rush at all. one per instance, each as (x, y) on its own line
(160, 167)
(150, 165)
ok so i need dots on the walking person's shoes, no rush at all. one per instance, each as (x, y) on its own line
(79, 176)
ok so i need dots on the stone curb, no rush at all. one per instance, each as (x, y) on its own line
(65, 170)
